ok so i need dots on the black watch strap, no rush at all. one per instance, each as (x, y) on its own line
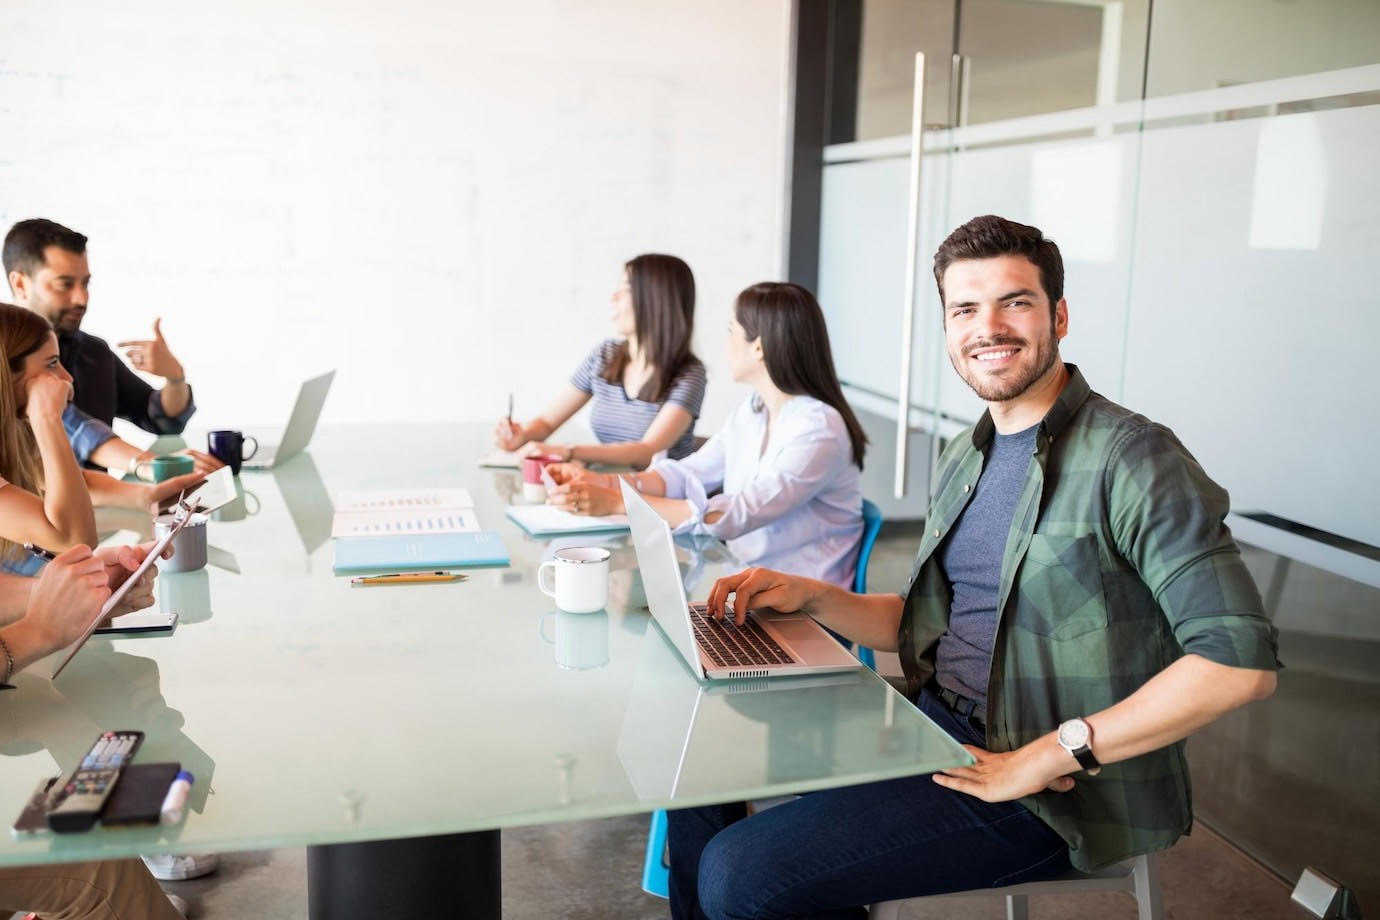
(1086, 760)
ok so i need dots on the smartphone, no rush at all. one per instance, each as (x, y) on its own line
(34, 818)
(143, 621)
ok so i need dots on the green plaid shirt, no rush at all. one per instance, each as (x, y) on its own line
(1117, 563)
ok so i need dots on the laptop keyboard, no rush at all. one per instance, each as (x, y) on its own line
(730, 645)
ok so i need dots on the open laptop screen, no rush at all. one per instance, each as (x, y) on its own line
(656, 560)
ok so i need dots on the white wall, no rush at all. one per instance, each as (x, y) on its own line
(434, 197)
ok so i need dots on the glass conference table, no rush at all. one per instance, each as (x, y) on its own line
(395, 729)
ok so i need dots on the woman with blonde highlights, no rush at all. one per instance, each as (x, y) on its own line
(45, 496)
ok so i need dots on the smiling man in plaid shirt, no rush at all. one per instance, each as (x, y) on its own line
(1077, 608)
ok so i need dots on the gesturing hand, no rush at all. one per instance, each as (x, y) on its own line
(152, 356)
(1004, 777)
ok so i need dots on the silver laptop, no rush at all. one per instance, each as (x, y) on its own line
(767, 645)
(300, 427)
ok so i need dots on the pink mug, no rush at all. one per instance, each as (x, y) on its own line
(533, 487)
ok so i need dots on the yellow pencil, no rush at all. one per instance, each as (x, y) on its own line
(409, 578)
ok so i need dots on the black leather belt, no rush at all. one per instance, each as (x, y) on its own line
(962, 705)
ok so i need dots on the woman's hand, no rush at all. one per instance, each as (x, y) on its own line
(509, 434)
(120, 562)
(595, 494)
(562, 473)
(48, 396)
(66, 597)
(157, 494)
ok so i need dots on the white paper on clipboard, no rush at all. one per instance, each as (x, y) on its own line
(116, 595)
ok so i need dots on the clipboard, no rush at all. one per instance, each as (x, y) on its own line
(184, 514)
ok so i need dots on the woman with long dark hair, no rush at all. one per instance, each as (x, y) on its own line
(646, 385)
(787, 460)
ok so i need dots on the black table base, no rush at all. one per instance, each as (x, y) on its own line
(452, 876)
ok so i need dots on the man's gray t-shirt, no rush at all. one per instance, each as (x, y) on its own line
(971, 560)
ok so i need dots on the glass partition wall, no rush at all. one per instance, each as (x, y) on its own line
(1208, 172)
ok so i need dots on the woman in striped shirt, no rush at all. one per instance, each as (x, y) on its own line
(787, 461)
(646, 385)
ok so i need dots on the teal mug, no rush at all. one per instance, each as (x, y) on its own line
(163, 468)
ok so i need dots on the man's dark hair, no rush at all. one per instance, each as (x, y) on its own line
(988, 237)
(25, 242)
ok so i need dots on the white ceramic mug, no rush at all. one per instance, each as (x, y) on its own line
(581, 640)
(580, 577)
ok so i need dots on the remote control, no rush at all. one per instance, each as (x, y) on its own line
(84, 794)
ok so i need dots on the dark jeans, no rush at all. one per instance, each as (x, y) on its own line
(826, 854)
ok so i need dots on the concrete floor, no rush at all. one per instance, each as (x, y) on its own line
(592, 870)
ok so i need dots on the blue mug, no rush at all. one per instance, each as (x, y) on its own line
(228, 447)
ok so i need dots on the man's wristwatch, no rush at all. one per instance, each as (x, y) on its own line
(1075, 736)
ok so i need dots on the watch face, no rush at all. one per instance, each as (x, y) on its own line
(1074, 733)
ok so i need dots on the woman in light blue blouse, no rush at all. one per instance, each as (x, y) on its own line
(787, 461)
(645, 385)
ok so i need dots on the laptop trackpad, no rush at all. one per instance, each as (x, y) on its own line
(795, 630)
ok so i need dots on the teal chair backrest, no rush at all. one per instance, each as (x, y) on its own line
(872, 525)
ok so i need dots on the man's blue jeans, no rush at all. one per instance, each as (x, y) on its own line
(827, 854)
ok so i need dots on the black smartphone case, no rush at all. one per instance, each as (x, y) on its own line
(139, 794)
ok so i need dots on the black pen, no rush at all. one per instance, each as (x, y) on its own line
(46, 555)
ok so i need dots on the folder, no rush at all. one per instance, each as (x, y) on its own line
(419, 552)
(549, 521)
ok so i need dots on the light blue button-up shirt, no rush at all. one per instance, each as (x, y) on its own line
(792, 503)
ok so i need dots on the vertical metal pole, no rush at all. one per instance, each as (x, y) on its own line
(917, 141)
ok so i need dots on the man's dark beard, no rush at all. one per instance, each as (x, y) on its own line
(1010, 388)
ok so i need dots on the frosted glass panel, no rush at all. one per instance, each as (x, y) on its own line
(1252, 327)
(1080, 193)
(862, 269)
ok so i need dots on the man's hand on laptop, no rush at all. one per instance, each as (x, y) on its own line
(756, 588)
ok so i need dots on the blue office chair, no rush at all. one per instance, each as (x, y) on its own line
(872, 526)
(656, 872)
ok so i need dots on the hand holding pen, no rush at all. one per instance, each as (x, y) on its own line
(509, 434)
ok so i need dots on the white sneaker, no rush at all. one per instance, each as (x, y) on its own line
(179, 904)
(176, 867)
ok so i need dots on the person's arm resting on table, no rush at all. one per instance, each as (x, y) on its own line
(670, 423)
(1166, 517)
(584, 492)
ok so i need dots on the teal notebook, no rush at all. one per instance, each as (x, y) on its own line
(549, 521)
(422, 551)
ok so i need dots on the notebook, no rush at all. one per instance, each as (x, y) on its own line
(550, 521)
(503, 460)
(393, 512)
(423, 551)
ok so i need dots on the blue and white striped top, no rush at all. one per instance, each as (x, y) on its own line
(616, 417)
